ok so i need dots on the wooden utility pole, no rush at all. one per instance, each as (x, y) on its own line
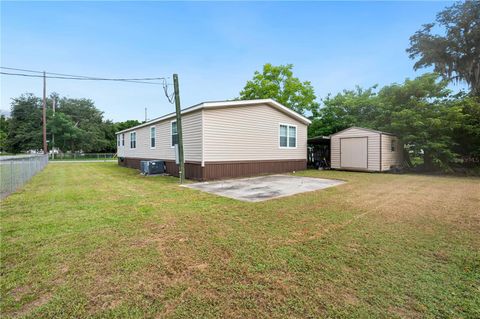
(181, 170)
(53, 134)
(44, 114)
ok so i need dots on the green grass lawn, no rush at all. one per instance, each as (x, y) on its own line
(98, 240)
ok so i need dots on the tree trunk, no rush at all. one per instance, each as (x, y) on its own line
(428, 161)
(406, 158)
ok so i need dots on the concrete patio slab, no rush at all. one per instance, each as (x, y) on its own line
(256, 189)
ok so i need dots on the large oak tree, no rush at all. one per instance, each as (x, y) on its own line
(456, 54)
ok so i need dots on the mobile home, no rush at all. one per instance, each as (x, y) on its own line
(222, 140)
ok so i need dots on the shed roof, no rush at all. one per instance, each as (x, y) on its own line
(225, 104)
(364, 129)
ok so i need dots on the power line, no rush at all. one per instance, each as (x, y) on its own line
(23, 70)
(64, 76)
(80, 78)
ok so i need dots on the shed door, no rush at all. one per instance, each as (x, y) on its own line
(353, 152)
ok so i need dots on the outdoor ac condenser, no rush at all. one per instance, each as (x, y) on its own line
(152, 167)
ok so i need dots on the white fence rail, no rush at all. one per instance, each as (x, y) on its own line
(15, 171)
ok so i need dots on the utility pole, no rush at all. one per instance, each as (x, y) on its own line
(44, 114)
(181, 170)
(53, 134)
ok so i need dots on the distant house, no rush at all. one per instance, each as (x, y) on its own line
(222, 140)
(362, 149)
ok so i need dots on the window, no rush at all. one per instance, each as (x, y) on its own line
(288, 136)
(123, 139)
(174, 133)
(152, 136)
(118, 140)
(393, 145)
(283, 135)
(292, 136)
(133, 139)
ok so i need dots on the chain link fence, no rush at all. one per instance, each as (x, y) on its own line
(15, 171)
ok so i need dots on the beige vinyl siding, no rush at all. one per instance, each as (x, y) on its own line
(192, 132)
(373, 150)
(249, 133)
(390, 158)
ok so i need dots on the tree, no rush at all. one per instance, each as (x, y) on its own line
(109, 129)
(349, 108)
(456, 56)
(278, 83)
(467, 136)
(89, 119)
(25, 129)
(4, 124)
(424, 114)
(67, 135)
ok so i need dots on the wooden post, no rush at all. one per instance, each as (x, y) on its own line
(53, 134)
(44, 114)
(181, 170)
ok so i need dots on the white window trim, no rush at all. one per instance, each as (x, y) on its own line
(288, 136)
(134, 132)
(171, 133)
(118, 140)
(150, 140)
(122, 140)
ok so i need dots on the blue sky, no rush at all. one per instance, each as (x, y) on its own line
(214, 47)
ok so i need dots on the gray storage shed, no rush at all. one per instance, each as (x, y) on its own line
(362, 149)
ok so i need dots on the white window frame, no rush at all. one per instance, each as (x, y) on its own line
(123, 140)
(118, 140)
(288, 136)
(154, 136)
(393, 145)
(134, 132)
(171, 133)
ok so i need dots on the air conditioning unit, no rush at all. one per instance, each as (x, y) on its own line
(152, 167)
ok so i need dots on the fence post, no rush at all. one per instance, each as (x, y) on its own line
(11, 176)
